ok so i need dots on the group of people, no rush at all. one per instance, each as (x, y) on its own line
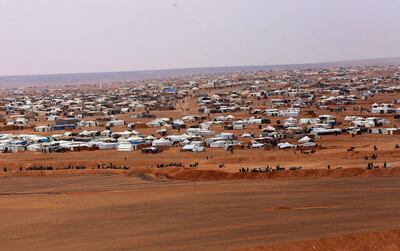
(261, 169)
(49, 168)
(172, 164)
(110, 166)
(69, 167)
(195, 164)
(371, 165)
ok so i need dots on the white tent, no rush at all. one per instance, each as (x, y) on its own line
(193, 148)
(246, 135)
(256, 145)
(176, 138)
(185, 142)
(304, 139)
(107, 145)
(150, 137)
(269, 129)
(105, 133)
(125, 147)
(285, 145)
(309, 144)
(226, 135)
(161, 142)
(218, 143)
(34, 148)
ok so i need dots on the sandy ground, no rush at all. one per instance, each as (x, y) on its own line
(121, 212)
(385, 241)
(333, 153)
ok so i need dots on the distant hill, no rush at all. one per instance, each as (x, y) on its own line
(103, 77)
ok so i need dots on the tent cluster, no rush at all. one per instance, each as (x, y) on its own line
(249, 110)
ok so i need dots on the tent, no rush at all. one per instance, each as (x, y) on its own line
(304, 139)
(218, 144)
(193, 148)
(269, 129)
(257, 145)
(125, 147)
(309, 144)
(161, 142)
(286, 145)
(107, 145)
(34, 148)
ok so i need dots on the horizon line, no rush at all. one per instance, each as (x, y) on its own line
(203, 67)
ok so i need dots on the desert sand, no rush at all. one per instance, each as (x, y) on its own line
(136, 212)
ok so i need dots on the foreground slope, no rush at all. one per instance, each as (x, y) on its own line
(120, 212)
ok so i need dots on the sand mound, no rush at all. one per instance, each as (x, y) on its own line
(203, 175)
(187, 174)
(148, 176)
(385, 241)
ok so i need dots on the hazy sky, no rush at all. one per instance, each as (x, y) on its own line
(57, 36)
